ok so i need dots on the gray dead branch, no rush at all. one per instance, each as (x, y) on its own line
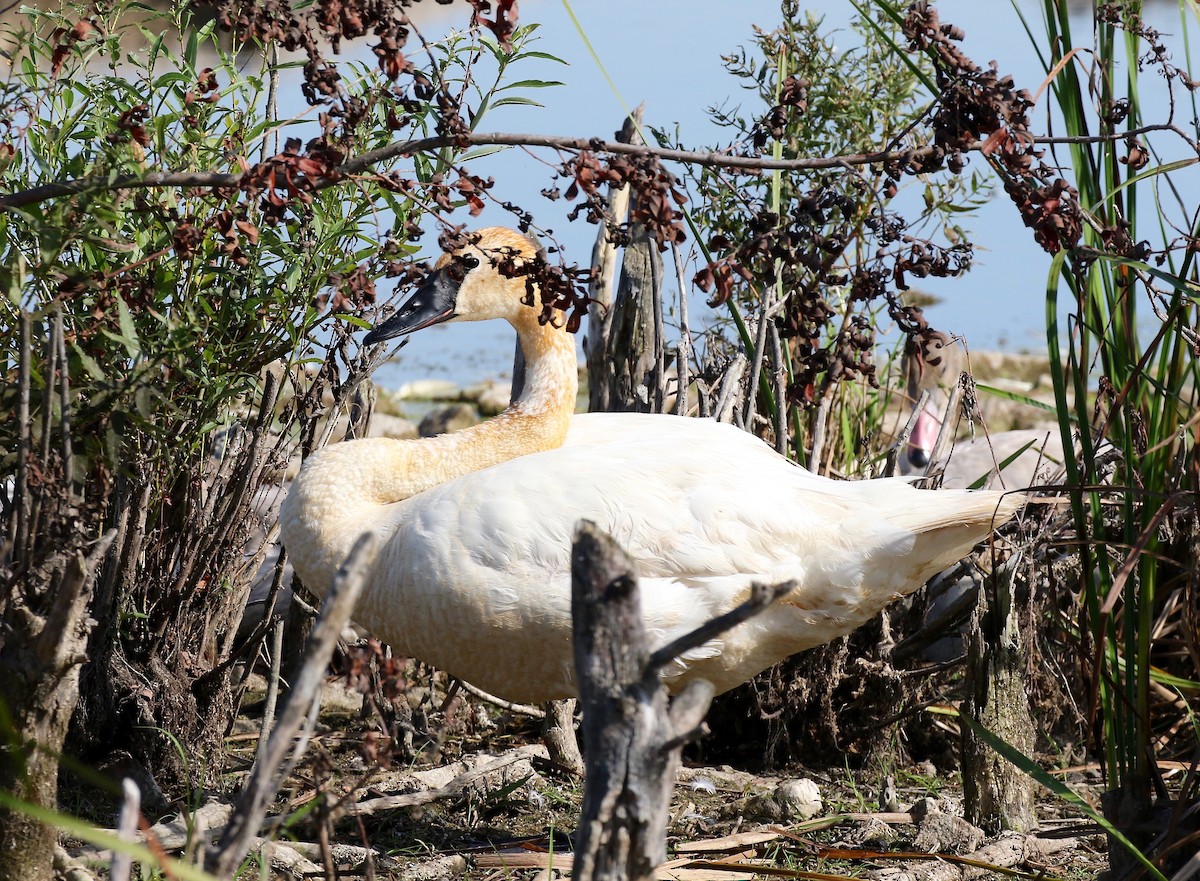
(634, 735)
(683, 349)
(896, 450)
(940, 455)
(604, 262)
(70, 868)
(131, 807)
(455, 787)
(508, 706)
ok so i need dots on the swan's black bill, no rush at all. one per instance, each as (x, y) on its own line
(432, 303)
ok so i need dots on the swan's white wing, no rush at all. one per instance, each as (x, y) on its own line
(476, 578)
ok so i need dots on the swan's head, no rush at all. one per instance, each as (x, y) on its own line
(929, 362)
(469, 284)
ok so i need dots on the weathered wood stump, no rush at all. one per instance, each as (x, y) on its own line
(634, 735)
(998, 795)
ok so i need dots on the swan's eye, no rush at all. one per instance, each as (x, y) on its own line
(470, 261)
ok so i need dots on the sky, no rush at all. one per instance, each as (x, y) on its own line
(667, 54)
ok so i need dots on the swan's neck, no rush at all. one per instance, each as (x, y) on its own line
(350, 488)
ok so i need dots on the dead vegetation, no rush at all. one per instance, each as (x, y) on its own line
(124, 536)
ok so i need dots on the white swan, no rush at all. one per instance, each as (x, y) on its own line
(473, 571)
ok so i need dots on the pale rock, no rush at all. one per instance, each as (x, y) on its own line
(427, 390)
(872, 833)
(395, 427)
(454, 866)
(800, 798)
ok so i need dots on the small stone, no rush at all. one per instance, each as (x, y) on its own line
(799, 799)
(873, 833)
(944, 833)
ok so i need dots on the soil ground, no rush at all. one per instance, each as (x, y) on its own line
(515, 822)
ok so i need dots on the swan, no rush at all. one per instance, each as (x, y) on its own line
(474, 529)
(1015, 459)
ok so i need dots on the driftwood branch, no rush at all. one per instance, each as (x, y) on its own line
(453, 788)
(127, 825)
(634, 736)
(273, 762)
(558, 731)
(509, 706)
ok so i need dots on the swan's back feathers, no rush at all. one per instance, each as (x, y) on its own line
(473, 572)
(704, 509)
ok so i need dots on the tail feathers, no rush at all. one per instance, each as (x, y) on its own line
(932, 510)
(948, 523)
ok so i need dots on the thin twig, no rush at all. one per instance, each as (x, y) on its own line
(726, 397)
(127, 825)
(893, 456)
(818, 436)
(777, 373)
(660, 342)
(21, 491)
(64, 403)
(940, 456)
(756, 358)
(683, 349)
(266, 777)
(268, 719)
(761, 596)
(521, 709)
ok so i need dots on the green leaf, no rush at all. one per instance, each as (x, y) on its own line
(1004, 463)
(89, 364)
(1019, 398)
(501, 102)
(530, 84)
(129, 334)
(480, 152)
(545, 56)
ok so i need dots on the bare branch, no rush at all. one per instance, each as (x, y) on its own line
(761, 596)
(366, 161)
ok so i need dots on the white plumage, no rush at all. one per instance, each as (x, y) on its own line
(473, 574)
